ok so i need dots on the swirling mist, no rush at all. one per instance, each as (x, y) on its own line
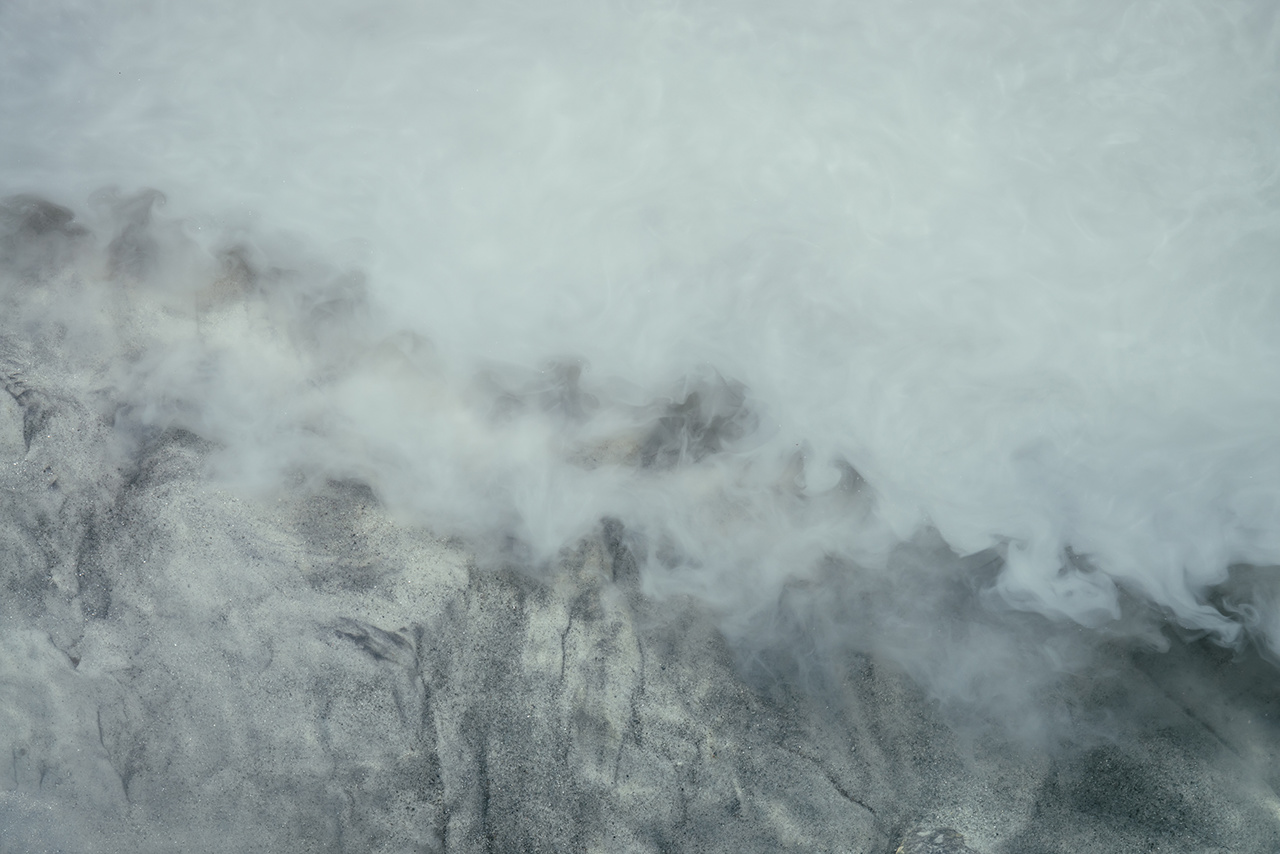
(946, 329)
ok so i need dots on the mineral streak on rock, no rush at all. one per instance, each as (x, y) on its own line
(941, 841)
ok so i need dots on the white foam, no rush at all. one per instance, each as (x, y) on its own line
(1014, 265)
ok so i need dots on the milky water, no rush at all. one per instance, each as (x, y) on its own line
(781, 286)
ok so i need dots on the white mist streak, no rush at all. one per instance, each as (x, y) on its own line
(1015, 266)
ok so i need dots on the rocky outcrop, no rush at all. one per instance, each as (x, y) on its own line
(190, 666)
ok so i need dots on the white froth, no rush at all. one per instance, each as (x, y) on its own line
(1016, 265)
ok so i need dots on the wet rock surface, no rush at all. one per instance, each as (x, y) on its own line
(186, 667)
(941, 841)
